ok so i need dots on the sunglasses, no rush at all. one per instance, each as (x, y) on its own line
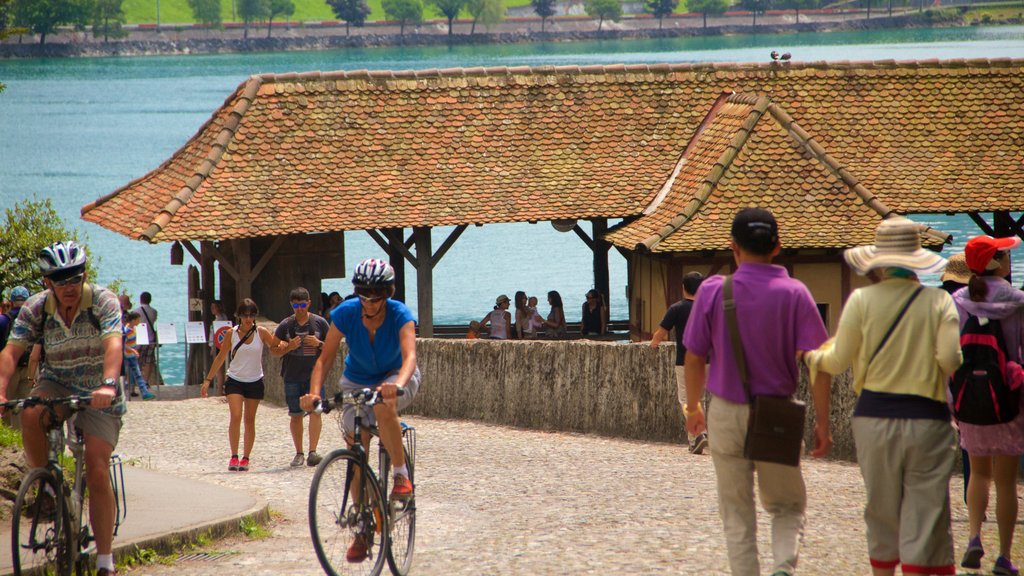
(298, 305)
(371, 295)
(247, 315)
(73, 281)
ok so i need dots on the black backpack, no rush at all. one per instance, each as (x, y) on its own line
(981, 394)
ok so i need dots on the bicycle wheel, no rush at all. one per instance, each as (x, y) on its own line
(401, 519)
(40, 535)
(345, 513)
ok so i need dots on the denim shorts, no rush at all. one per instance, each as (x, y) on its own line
(295, 390)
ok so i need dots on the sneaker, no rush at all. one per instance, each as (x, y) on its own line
(402, 490)
(973, 554)
(313, 459)
(1004, 567)
(233, 464)
(357, 551)
(297, 461)
(243, 464)
(700, 443)
(148, 396)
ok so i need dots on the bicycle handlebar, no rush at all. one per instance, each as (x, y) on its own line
(74, 402)
(364, 397)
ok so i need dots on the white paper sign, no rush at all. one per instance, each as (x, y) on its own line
(195, 333)
(166, 333)
(142, 334)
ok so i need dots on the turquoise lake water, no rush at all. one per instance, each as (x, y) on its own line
(73, 130)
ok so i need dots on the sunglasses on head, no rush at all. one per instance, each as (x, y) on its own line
(73, 281)
(302, 305)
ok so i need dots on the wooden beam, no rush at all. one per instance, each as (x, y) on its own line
(395, 239)
(223, 261)
(424, 281)
(265, 259)
(981, 223)
(243, 260)
(583, 236)
(192, 250)
(383, 243)
(600, 248)
(447, 244)
(378, 238)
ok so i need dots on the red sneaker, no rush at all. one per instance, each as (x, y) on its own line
(402, 489)
(357, 551)
(243, 464)
(233, 464)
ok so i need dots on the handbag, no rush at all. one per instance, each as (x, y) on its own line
(775, 429)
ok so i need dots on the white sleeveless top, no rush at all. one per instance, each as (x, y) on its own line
(499, 328)
(247, 365)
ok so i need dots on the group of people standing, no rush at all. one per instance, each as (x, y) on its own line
(903, 342)
(529, 324)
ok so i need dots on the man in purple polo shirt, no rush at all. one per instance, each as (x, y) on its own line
(778, 321)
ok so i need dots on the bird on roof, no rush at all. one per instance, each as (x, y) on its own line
(775, 55)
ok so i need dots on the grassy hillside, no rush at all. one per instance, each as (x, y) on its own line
(178, 12)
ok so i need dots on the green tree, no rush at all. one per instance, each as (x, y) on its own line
(353, 12)
(279, 8)
(404, 12)
(27, 228)
(487, 12)
(108, 20)
(661, 8)
(449, 9)
(42, 17)
(543, 8)
(252, 11)
(603, 9)
(206, 12)
(755, 7)
(705, 7)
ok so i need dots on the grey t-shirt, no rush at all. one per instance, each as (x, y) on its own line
(297, 365)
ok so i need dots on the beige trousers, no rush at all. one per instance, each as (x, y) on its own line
(781, 489)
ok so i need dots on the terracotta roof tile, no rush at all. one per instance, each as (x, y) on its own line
(461, 146)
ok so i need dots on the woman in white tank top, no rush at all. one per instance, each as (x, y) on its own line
(499, 319)
(243, 350)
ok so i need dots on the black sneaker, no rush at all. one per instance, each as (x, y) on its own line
(313, 459)
(700, 443)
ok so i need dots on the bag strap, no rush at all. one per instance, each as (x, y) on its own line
(240, 342)
(734, 332)
(895, 322)
(149, 323)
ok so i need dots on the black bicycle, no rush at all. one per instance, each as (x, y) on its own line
(348, 502)
(50, 523)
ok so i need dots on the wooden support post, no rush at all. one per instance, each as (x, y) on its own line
(207, 282)
(601, 248)
(243, 264)
(424, 281)
(397, 260)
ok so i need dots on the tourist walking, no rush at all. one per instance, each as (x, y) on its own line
(499, 319)
(243, 351)
(148, 354)
(903, 343)
(87, 364)
(594, 321)
(381, 337)
(555, 323)
(23, 379)
(133, 375)
(675, 319)
(218, 315)
(777, 318)
(304, 333)
(994, 450)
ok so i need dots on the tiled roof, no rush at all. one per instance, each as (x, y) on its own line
(476, 146)
(750, 152)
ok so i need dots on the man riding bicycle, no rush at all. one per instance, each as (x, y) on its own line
(381, 337)
(79, 326)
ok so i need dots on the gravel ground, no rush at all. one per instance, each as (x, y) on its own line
(496, 500)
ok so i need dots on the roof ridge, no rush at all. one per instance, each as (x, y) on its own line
(461, 72)
(220, 144)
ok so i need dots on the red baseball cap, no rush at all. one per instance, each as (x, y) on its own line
(980, 250)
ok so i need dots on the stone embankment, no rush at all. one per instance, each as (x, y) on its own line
(172, 43)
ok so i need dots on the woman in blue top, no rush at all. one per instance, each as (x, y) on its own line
(381, 337)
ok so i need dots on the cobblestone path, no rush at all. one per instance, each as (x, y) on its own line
(496, 500)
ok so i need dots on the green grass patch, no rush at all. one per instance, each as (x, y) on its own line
(9, 436)
(253, 529)
(142, 557)
(993, 13)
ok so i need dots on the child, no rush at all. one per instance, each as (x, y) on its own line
(474, 330)
(131, 356)
(535, 321)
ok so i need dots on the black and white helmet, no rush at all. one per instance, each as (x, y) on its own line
(373, 273)
(61, 260)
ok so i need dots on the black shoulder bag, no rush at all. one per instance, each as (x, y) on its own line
(775, 430)
(231, 357)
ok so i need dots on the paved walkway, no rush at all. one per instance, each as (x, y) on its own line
(495, 500)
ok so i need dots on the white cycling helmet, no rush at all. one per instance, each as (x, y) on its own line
(373, 273)
(61, 260)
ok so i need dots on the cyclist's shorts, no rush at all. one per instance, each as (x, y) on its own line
(348, 414)
(106, 427)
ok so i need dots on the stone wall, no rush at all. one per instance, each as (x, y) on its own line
(610, 389)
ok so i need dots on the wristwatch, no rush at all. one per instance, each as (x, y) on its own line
(109, 382)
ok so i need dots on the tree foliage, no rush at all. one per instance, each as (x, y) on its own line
(661, 8)
(543, 8)
(353, 12)
(705, 7)
(449, 9)
(252, 11)
(108, 20)
(206, 12)
(404, 12)
(283, 8)
(27, 228)
(603, 10)
(487, 12)
(42, 17)
(755, 7)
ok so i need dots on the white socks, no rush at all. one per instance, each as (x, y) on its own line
(105, 561)
(402, 470)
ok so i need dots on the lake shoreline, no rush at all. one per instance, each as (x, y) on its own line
(307, 39)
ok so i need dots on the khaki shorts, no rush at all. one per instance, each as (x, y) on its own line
(106, 427)
(348, 413)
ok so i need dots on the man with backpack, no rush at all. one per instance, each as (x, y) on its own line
(22, 381)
